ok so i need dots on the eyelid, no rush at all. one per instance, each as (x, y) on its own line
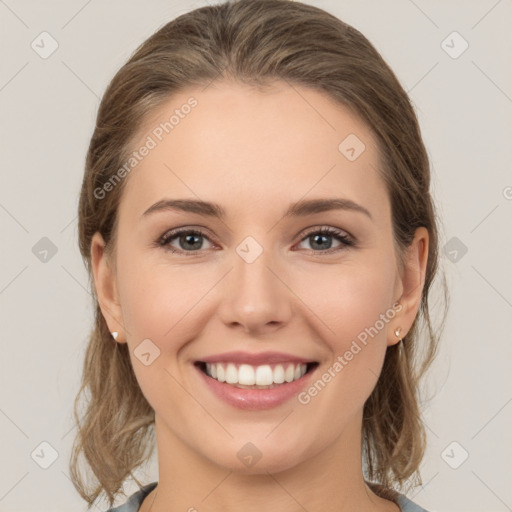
(203, 230)
(327, 229)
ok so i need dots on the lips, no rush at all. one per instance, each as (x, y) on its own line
(261, 369)
(261, 358)
(255, 396)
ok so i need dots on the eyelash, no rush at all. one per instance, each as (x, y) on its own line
(165, 240)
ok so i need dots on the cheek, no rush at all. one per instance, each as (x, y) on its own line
(157, 308)
(364, 316)
(358, 311)
(164, 308)
(353, 311)
(156, 296)
(346, 298)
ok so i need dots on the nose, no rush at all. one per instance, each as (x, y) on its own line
(256, 298)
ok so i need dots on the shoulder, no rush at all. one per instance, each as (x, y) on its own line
(406, 505)
(134, 502)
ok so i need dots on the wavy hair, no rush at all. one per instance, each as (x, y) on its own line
(256, 42)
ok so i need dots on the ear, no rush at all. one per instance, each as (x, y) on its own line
(106, 290)
(410, 284)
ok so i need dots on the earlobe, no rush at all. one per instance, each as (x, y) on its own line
(106, 291)
(412, 282)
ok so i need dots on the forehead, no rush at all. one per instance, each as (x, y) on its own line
(242, 146)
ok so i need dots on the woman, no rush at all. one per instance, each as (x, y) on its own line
(256, 218)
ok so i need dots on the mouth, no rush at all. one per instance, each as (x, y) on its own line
(262, 377)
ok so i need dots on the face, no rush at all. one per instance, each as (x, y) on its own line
(256, 280)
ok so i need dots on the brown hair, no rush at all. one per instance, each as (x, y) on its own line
(255, 42)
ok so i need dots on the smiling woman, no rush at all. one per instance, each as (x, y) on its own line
(262, 277)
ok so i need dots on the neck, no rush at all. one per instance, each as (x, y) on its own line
(329, 481)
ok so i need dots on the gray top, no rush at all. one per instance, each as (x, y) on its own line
(135, 500)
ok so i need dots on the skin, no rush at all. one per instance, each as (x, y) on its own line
(254, 153)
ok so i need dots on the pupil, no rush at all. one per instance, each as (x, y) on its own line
(190, 237)
(324, 237)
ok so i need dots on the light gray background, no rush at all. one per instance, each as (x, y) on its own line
(48, 107)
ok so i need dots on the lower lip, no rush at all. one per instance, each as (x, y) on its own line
(256, 399)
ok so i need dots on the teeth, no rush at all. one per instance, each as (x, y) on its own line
(255, 376)
(246, 375)
(278, 374)
(289, 374)
(231, 374)
(264, 376)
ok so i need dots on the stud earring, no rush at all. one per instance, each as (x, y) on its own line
(398, 330)
(115, 334)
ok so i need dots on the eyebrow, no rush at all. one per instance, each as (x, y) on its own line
(299, 209)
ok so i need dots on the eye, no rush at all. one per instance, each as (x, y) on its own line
(189, 240)
(320, 239)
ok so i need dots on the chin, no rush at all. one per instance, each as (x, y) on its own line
(258, 457)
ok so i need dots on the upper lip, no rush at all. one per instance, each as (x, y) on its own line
(256, 359)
